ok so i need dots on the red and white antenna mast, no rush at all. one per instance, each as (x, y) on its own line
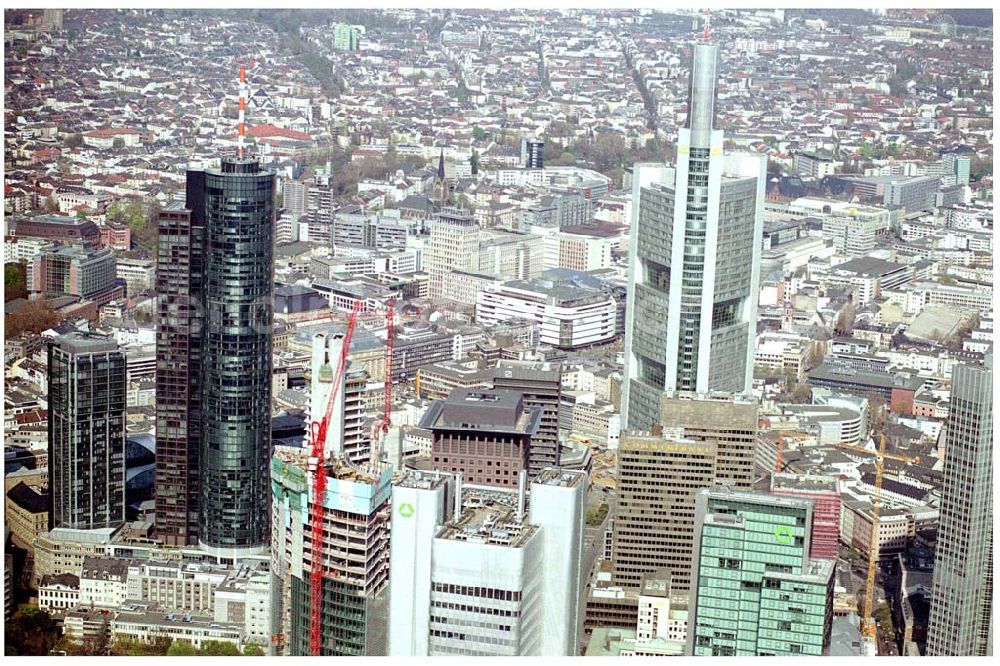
(707, 32)
(242, 122)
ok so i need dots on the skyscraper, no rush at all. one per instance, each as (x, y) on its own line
(962, 601)
(86, 432)
(758, 592)
(694, 263)
(482, 575)
(540, 383)
(215, 337)
(178, 374)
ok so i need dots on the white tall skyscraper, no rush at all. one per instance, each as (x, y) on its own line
(482, 574)
(695, 253)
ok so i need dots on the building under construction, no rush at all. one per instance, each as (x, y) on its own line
(354, 552)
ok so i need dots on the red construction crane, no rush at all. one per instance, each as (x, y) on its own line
(381, 428)
(317, 513)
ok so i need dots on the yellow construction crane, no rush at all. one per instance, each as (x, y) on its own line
(868, 628)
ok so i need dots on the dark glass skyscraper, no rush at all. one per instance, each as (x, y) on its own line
(86, 432)
(179, 276)
(217, 345)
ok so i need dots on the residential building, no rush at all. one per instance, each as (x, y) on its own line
(86, 422)
(961, 618)
(103, 581)
(759, 593)
(59, 593)
(694, 262)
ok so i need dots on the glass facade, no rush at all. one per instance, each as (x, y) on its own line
(86, 432)
(757, 591)
(236, 356)
(962, 600)
(179, 275)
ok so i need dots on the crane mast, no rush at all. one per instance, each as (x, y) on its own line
(317, 513)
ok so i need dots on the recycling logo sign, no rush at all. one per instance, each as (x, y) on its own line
(406, 510)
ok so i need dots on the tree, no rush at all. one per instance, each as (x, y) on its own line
(478, 133)
(74, 140)
(118, 145)
(181, 649)
(474, 162)
(844, 324)
(253, 651)
(596, 515)
(219, 649)
(127, 646)
(15, 281)
(30, 631)
(36, 316)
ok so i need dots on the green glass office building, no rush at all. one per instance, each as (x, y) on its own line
(754, 590)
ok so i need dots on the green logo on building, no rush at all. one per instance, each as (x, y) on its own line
(783, 534)
(406, 510)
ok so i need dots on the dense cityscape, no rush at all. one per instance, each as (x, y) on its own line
(498, 333)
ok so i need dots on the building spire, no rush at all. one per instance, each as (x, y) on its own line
(242, 125)
(706, 34)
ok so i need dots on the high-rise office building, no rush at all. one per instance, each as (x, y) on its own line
(453, 246)
(476, 572)
(540, 384)
(485, 435)
(76, 270)
(824, 491)
(225, 232)
(694, 258)
(758, 592)
(532, 153)
(962, 600)
(355, 549)
(86, 432)
(699, 444)
(178, 374)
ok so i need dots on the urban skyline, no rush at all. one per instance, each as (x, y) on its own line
(555, 332)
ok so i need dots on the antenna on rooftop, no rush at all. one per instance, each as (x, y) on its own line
(707, 32)
(242, 125)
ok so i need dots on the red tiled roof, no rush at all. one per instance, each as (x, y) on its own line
(266, 131)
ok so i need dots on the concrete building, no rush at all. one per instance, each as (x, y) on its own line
(962, 601)
(485, 435)
(540, 385)
(175, 585)
(700, 443)
(568, 316)
(758, 591)
(694, 262)
(139, 275)
(660, 630)
(355, 552)
(446, 599)
(145, 623)
(824, 491)
(86, 424)
(76, 270)
(26, 514)
(453, 246)
(103, 581)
